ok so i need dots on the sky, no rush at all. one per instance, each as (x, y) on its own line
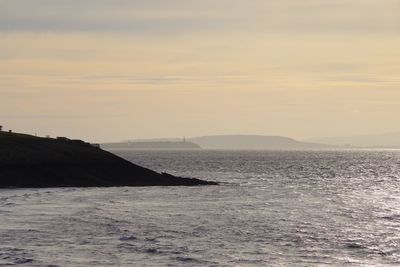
(111, 70)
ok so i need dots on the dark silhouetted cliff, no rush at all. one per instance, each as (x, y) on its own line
(29, 161)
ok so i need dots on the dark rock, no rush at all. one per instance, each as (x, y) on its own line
(29, 161)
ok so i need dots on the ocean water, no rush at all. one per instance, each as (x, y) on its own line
(316, 208)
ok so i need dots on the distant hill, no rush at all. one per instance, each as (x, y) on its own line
(151, 145)
(34, 162)
(387, 140)
(254, 142)
(243, 142)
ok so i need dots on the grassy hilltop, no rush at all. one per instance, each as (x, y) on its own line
(29, 161)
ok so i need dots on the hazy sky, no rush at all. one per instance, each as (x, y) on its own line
(107, 70)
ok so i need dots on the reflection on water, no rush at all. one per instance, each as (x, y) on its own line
(277, 208)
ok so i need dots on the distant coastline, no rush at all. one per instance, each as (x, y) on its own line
(260, 142)
(368, 141)
(156, 145)
(218, 142)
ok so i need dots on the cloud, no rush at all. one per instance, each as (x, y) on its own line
(358, 79)
(190, 16)
(139, 17)
(131, 25)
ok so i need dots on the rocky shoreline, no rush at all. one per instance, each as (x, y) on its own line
(33, 162)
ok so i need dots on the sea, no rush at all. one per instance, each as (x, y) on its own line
(273, 208)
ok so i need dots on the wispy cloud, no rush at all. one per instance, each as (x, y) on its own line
(91, 81)
(285, 66)
(177, 17)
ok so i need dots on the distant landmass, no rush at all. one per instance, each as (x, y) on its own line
(260, 142)
(151, 145)
(254, 142)
(243, 142)
(32, 162)
(386, 140)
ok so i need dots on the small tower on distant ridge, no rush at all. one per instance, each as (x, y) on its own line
(1, 128)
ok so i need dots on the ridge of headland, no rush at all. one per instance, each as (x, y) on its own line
(34, 162)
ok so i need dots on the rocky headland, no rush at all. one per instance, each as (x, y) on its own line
(33, 162)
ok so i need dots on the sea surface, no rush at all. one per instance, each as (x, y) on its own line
(277, 208)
